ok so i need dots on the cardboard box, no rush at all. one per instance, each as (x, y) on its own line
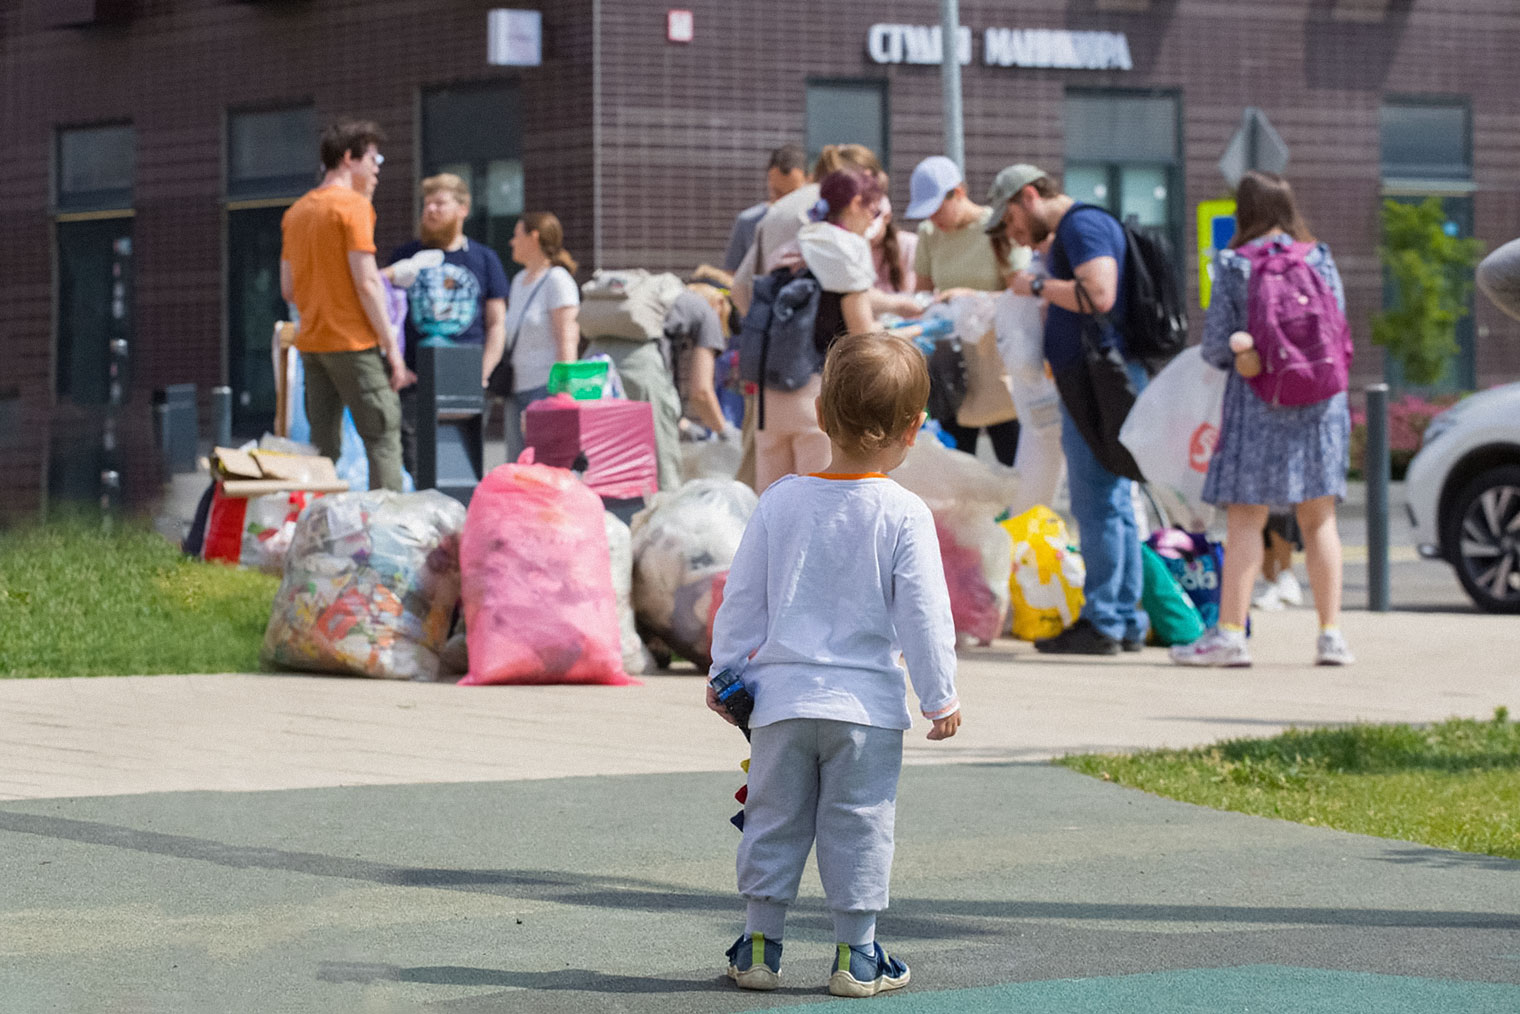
(254, 473)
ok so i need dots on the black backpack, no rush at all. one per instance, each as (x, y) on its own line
(1155, 324)
(777, 346)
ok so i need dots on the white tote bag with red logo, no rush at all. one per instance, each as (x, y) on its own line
(1171, 433)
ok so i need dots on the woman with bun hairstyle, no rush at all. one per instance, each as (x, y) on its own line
(835, 250)
(541, 316)
(1284, 457)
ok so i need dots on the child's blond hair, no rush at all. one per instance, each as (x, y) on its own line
(875, 386)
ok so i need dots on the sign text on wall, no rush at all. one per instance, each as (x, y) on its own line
(1055, 48)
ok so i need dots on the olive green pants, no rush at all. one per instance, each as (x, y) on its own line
(360, 382)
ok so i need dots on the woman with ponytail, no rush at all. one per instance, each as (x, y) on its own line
(893, 251)
(541, 317)
(834, 248)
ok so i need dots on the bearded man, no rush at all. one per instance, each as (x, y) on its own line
(460, 301)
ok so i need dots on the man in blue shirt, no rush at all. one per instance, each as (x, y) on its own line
(462, 301)
(786, 171)
(1087, 247)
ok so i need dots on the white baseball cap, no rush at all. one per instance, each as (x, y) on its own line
(932, 180)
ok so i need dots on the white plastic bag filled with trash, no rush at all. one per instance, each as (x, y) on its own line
(971, 314)
(269, 527)
(1020, 326)
(707, 455)
(683, 544)
(636, 657)
(371, 582)
(966, 497)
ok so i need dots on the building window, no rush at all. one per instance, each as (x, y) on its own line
(847, 112)
(271, 153)
(1426, 150)
(93, 187)
(272, 159)
(1123, 153)
(475, 132)
(1425, 141)
(96, 167)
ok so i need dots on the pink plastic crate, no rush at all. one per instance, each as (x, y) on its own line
(615, 437)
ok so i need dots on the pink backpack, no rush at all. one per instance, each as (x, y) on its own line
(1301, 334)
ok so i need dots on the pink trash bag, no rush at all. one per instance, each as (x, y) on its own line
(973, 605)
(539, 604)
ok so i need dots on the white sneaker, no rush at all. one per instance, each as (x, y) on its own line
(1289, 591)
(1214, 648)
(1266, 598)
(1331, 649)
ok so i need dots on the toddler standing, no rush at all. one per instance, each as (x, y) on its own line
(837, 573)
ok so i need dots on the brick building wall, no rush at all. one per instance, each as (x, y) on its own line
(684, 131)
(687, 128)
(174, 70)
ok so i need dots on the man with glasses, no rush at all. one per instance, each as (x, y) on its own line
(348, 349)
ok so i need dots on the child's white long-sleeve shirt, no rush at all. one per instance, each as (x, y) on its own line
(831, 579)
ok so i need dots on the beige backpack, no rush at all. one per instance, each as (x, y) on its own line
(629, 303)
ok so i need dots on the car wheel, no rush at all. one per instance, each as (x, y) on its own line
(1482, 539)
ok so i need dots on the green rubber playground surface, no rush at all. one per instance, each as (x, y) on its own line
(1211, 991)
(1021, 888)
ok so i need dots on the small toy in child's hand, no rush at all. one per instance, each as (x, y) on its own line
(735, 699)
(1247, 359)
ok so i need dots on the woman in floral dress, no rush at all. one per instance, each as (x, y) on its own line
(1270, 456)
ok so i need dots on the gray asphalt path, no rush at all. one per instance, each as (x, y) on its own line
(616, 894)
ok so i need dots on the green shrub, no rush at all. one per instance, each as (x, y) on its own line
(1407, 419)
(1431, 272)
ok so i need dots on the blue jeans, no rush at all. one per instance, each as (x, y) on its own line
(1103, 506)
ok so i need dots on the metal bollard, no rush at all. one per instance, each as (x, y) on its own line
(221, 415)
(1376, 474)
(161, 432)
(110, 498)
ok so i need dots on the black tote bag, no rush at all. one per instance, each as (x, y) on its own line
(503, 378)
(1098, 393)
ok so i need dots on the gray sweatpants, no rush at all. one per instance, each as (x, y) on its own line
(835, 782)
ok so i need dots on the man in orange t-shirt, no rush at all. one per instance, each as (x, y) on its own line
(327, 268)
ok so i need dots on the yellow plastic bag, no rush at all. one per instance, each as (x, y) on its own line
(1047, 578)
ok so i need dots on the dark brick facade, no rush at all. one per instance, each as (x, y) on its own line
(650, 171)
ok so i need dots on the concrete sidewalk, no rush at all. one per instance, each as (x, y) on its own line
(108, 736)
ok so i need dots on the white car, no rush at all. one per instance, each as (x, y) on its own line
(1463, 495)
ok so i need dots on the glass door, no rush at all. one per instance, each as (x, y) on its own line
(94, 304)
(95, 308)
(254, 304)
(475, 132)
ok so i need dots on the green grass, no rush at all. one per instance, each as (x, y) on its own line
(1453, 785)
(75, 601)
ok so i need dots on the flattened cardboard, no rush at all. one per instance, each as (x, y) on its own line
(245, 473)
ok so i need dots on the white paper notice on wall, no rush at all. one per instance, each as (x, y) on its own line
(514, 38)
(679, 26)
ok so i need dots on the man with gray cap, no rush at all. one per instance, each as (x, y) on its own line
(955, 255)
(1087, 253)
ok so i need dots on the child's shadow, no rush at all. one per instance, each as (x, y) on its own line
(576, 979)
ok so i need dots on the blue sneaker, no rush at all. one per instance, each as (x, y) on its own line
(755, 962)
(865, 971)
